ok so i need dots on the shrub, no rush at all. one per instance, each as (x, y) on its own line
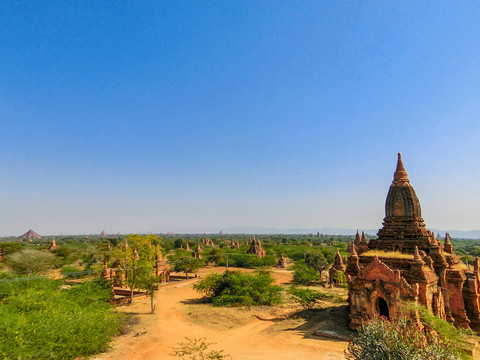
(198, 349)
(382, 339)
(237, 289)
(303, 274)
(40, 321)
(30, 262)
(305, 297)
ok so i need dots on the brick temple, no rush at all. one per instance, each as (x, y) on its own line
(407, 264)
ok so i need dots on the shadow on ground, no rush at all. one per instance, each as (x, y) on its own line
(332, 319)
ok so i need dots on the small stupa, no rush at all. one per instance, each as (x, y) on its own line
(256, 248)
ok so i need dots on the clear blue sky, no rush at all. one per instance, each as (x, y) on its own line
(165, 115)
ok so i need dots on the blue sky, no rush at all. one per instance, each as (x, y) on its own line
(169, 115)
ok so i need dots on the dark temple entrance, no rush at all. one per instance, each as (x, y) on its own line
(382, 308)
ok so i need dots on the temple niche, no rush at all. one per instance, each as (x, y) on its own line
(407, 264)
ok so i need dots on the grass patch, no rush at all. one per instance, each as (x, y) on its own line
(39, 320)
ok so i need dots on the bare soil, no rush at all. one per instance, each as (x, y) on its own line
(267, 333)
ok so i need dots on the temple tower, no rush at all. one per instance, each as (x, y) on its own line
(403, 227)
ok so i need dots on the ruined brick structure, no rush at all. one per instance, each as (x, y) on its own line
(208, 242)
(53, 245)
(106, 273)
(282, 262)
(234, 244)
(407, 264)
(161, 267)
(338, 266)
(256, 248)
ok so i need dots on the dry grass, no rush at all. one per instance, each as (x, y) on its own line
(390, 254)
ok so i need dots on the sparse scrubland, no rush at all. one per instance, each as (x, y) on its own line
(40, 318)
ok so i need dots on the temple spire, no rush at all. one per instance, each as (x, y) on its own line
(448, 244)
(417, 256)
(338, 259)
(364, 238)
(400, 176)
(357, 238)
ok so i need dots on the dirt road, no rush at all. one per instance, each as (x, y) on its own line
(154, 335)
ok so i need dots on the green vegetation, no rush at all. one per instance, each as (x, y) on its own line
(30, 262)
(187, 265)
(316, 260)
(382, 339)
(304, 274)
(239, 289)
(38, 320)
(198, 349)
(306, 297)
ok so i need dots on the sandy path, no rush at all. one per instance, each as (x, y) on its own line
(155, 335)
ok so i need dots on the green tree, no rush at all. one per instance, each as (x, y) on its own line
(139, 258)
(303, 274)
(148, 281)
(187, 265)
(214, 255)
(317, 261)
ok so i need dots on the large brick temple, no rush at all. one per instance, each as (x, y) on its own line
(408, 265)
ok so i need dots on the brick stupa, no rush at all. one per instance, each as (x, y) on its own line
(256, 248)
(162, 269)
(337, 267)
(406, 264)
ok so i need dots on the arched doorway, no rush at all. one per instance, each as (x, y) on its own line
(382, 308)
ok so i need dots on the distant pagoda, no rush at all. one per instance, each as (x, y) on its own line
(30, 234)
(256, 248)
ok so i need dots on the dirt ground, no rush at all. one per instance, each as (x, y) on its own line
(267, 333)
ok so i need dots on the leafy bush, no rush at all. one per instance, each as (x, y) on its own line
(382, 339)
(30, 262)
(40, 321)
(303, 274)
(237, 289)
(305, 297)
